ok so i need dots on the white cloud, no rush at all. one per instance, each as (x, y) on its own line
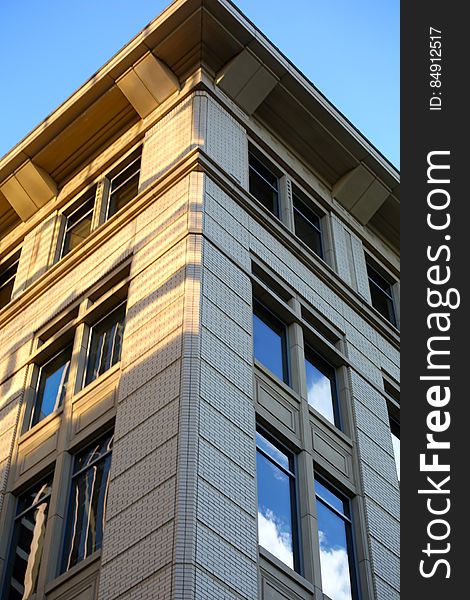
(273, 539)
(396, 452)
(319, 394)
(336, 581)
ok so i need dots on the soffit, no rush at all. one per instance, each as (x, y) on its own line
(80, 141)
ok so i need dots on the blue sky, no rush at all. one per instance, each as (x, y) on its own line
(349, 50)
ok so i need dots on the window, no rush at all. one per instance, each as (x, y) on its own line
(87, 503)
(264, 184)
(395, 432)
(381, 294)
(335, 539)
(124, 183)
(307, 225)
(27, 542)
(270, 341)
(51, 387)
(105, 343)
(277, 528)
(7, 278)
(78, 223)
(321, 386)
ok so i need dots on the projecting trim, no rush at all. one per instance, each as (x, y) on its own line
(246, 80)
(29, 188)
(360, 193)
(147, 84)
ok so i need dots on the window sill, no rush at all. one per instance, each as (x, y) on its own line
(278, 565)
(274, 379)
(43, 424)
(333, 429)
(380, 316)
(91, 564)
(113, 372)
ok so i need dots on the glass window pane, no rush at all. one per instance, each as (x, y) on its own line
(27, 543)
(93, 453)
(106, 344)
(78, 225)
(52, 385)
(320, 388)
(124, 187)
(269, 342)
(395, 431)
(331, 498)
(335, 554)
(381, 295)
(307, 226)
(264, 185)
(275, 528)
(274, 452)
(87, 507)
(7, 279)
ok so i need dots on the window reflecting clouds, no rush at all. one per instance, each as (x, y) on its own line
(276, 506)
(321, 389)
(27, 542)
(87, 504)
(395, 431)
(334, 533)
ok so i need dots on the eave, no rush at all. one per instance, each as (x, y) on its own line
(213, 33)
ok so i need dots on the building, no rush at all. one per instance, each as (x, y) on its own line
(198, 333)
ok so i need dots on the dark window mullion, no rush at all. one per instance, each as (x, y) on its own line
(11, 277)
(296, 545)
(333, 509)
(88, 199)
(71, 224)
(92, 463)
(274, 461)
(381, 289)
(33, 506)
(123, 183)
(133, 173)
(304, 216)
(274, 188)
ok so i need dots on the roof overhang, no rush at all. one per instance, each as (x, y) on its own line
(249, 69)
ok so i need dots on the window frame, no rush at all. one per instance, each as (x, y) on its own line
(266, 163)
(292, 474)
(392, 393)
(11, 548)
(83, 383)
(101, 191)
(349, 529)
(325, 366)
(89, 194)
(305, 201)
(8, 263)
(66, 539)
(133, 157)
(388, 295)
(71, 328)
(395, 432)
(40, 367)
(260, 307)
